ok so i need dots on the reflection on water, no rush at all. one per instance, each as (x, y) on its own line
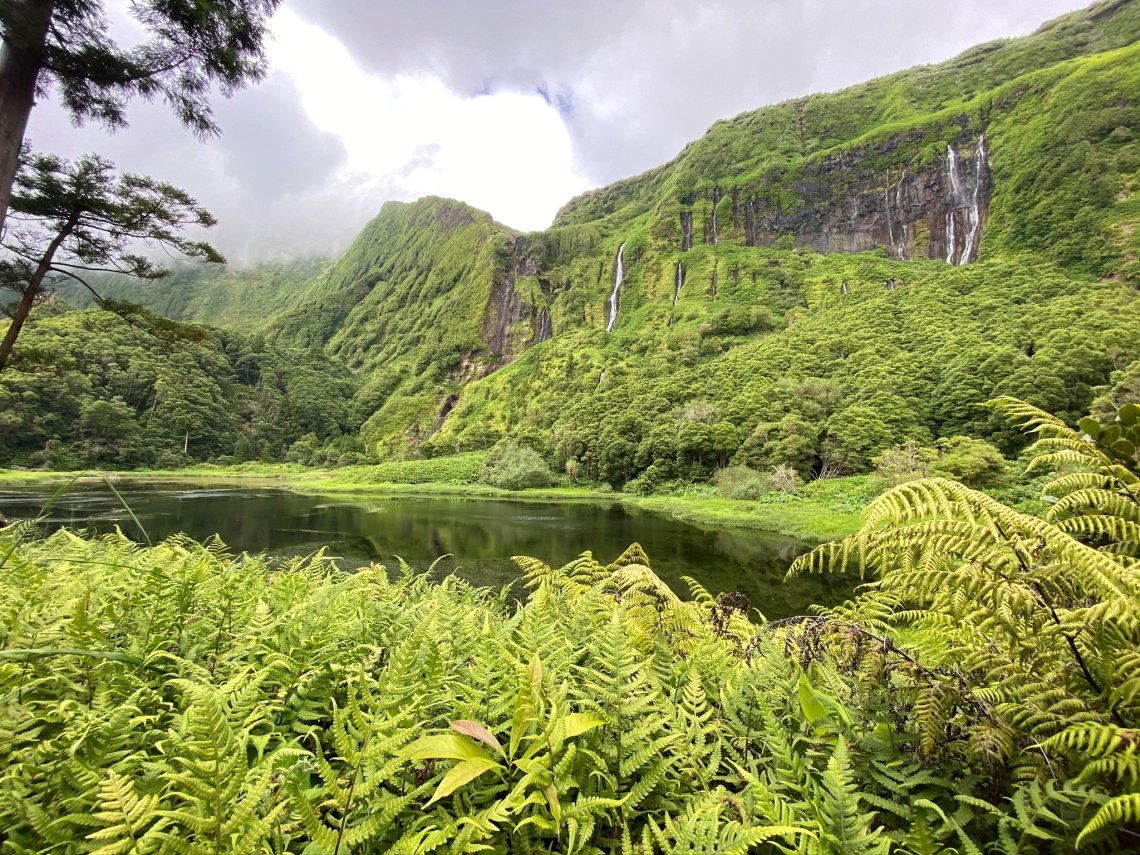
(480, 534)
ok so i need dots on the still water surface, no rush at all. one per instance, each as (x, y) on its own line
(480, 534)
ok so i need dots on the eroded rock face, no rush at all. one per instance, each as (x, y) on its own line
(514, 320)
(849, 202)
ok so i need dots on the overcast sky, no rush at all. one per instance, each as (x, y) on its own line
(513, 106)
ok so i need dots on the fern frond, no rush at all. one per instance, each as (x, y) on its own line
(131, 823)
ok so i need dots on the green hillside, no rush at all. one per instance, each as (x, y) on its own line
(216, 294)
(785, 296)
(89, 389)
(427, 298)
(805, 285)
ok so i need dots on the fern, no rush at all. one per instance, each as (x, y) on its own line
(844, 824)
(982, 692)
(131, 823)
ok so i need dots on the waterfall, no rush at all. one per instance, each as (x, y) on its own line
(900, 247)
(854, 217)
(887, 209)
(843, 288)
(750, 223)
(716, 201)
(544, 327)
(955, 199)
(619, 274)
(686, 231)
(678, 282)
(974, 213)
(952, 168)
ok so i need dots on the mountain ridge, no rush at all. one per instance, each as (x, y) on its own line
(1017, 155)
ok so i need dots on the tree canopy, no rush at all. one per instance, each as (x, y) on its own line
(84, 216)
(189, 49)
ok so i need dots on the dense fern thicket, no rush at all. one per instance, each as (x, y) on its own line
(89, 389)
(982, 693)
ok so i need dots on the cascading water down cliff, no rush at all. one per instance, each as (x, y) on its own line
(619, 274)
(847, 202)
(964, 214)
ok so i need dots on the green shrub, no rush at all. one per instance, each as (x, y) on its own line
(454, 469)
(519, 467)
(302, 450)
(974, 462)
(741, 482)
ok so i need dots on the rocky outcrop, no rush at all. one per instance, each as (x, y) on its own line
(513, 320)
(864, 197)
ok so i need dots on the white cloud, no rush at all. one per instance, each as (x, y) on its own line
(508, 153)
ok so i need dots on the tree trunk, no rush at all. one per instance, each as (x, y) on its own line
(33, 291)
(21, 58)
(18, 318)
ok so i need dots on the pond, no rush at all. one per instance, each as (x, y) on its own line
(481, 535)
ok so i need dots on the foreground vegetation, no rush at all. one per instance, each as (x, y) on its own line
(983, 694)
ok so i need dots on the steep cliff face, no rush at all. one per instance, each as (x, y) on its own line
(436, 279)
(858, 199)
(432, 296)
(999, 152)
(518, 313)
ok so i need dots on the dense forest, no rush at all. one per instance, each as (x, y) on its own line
(92, 389)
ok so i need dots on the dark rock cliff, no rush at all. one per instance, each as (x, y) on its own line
(860, 198)
(516, 317)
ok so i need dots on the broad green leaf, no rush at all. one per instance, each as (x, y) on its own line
(578, 723)
(815, 711)
(534, 672)
(445, 746)
(1090, 426)
(534, 766)
(1124, 448)
(552, 800)
(461, 774)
